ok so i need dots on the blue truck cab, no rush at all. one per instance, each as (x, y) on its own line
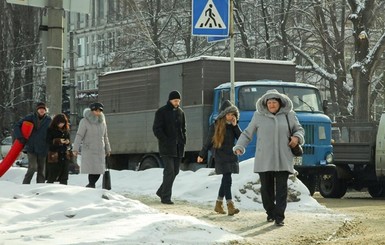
(307, 104)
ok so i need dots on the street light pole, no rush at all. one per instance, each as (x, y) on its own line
(55, 56)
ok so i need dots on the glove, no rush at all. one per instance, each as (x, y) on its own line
(22, 140)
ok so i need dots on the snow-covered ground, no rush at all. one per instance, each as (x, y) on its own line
(73, 214)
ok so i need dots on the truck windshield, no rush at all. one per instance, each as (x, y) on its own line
(304, 99)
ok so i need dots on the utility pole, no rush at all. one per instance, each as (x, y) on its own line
(55, 56)
(73, 114)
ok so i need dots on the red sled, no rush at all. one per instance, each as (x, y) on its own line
(17, 147)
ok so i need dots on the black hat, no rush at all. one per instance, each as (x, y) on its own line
(95, 106)
(174, 95)
(41, 105)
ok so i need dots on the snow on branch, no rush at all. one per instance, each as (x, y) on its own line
(314, 67)
(376, 52)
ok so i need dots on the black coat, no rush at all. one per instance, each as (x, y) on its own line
(53, 140)
(37, 143)
(170, 129)
(225, 160)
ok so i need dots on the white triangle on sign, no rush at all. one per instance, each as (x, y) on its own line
(210, 18)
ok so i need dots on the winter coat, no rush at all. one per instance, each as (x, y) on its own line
(272, 152)
(170, 129)
(37, 143)
(225, 160)
(54, 137)
(93, 138)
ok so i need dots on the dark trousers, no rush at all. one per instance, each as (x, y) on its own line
(274, 193)
(58, 171)
(92, 179)
(35, 164)
(225, 188)
(170, 171)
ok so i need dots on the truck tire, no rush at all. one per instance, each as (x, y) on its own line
(330, 186)
(148, 162)
(376, 190)
(310, 181)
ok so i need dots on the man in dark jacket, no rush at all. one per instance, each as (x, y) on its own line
(170, 129)
(36, 146)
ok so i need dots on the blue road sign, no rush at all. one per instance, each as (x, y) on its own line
(211, 39)
(210, 17)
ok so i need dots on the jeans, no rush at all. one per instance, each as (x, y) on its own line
(274, 193)
(225, 188)
(170, 171)
(35, 164)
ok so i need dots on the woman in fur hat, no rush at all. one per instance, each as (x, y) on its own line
(220, 140)
(92, 135)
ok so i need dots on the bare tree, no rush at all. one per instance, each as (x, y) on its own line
(18, 48)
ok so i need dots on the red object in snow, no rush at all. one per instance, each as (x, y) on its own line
(17, 147)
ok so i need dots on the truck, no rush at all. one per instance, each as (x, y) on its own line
(131, 98)
(359, 157)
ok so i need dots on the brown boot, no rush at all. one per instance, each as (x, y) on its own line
(231, 209)
(219, 207)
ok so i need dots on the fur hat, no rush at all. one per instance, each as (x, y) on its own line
(174, 95)
(41, 105)
(228, 107)
(95, 106)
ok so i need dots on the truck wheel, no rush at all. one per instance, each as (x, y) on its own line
(330, 186)
(376, 190)
(310, 181)
(148, 162)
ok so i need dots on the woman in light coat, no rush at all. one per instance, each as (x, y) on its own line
(93, 138)
(273, 157)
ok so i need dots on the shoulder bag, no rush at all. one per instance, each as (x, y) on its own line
(296, 150)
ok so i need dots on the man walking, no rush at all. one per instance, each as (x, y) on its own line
(170, 129)
(36, 146)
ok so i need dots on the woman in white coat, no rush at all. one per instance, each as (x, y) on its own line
(273, 157)
(95, 146)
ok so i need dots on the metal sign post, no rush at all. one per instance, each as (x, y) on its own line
(232, 65)
(215, 19)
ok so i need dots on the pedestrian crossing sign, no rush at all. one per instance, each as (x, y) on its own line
(210, 17)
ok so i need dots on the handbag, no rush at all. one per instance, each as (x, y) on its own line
(69, 155)
(106, 183)
(296, 150)
(52, 157)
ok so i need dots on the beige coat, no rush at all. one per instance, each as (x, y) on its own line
(93, 138)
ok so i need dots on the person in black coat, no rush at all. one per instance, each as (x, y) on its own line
(221, 140)
(36, 146)
(58, 139)
(170, 129)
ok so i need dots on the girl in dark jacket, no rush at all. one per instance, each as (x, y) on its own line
(221, 140)
(58, 139)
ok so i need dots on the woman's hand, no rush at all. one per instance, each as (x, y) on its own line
(238, 152)
(293, 141)
(75, 153)
(234, 121)
(199, 159)
(65, 141)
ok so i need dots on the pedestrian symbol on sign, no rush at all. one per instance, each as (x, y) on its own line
(210, 18)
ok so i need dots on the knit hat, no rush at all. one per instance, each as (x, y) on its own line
(228, 107)
(95, 106)
(41, 105)
(174, 95)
